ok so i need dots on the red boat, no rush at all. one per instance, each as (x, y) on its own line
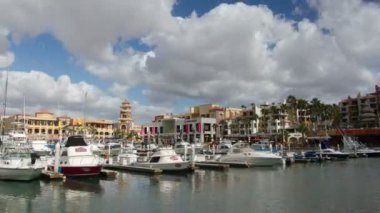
(77, 159)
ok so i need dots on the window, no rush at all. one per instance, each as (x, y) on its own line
(154, 159)
(207, 127)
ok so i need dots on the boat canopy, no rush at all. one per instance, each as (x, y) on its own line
(76, 140)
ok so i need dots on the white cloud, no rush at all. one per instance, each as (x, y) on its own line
(43, 92)
(6, 59)
(145, 113)
(234, 54)
(89, 29)
(243, 53)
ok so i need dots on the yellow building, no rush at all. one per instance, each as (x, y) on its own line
(45, 125)
(98, 129)
(42, 125)
(231, 113)
(203, 111)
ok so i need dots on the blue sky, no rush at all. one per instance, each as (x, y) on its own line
(226, 52)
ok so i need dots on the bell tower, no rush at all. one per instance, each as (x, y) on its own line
(125, 118)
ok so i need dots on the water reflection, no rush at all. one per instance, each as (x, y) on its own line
(18, 196)
(28, 190)
(84, 184)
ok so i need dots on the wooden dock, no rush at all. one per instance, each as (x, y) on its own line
(137, 169)
(205, 165)
(49, 175)
(108, 174)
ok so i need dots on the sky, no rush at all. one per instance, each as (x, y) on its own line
(83, 58)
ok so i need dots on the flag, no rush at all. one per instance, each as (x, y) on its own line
(199, 127)
(151, 130)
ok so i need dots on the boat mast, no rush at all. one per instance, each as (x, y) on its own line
(24, 116)
(84, 114)
(4, 104)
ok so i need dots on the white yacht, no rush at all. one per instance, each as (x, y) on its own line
(19, 163)
(126, 157)
(242, 153)
(333, 154)
(40, 147)
(167, 160)
(77, 159)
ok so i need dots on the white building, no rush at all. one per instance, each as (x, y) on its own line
(168, 129)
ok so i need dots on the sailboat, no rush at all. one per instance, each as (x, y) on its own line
(17, 160)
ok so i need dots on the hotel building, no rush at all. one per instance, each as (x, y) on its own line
(361, 111)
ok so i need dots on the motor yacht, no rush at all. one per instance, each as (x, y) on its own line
(242, 153)
(77, 159)
(167, 160)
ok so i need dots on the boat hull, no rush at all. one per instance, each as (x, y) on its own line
(255, 161)
(20, 174)
(166, 167)
(79, 170)
(336, 156)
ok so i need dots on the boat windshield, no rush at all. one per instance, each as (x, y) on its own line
(154, 159)
(75, 141)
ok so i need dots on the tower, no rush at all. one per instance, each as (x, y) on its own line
(125, 118)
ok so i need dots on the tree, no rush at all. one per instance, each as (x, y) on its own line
(304, 129)
(132, 135)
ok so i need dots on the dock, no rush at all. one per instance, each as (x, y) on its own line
(136, 169)
(50, 175)
(108, 174)
(205, 165)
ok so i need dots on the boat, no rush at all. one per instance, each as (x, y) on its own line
(182, 147)
(77, 159)
(166, 159)
(19, 164)
(111, 148)
(332, 154)
(356, 148)
(126, 157)
(307, 156)
(16, 137)
(242, 153)
(40, 147)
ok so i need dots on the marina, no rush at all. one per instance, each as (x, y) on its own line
(332, 186)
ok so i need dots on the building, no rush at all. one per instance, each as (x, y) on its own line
(167, 129)
(42, 125)
(94, 128)
(125, 117)
(45, 125)
(361, 111)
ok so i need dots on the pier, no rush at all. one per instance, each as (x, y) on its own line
(50, 175)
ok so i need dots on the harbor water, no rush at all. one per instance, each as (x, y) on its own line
(344, 186)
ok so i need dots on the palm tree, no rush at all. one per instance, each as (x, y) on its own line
(223, 125)
(215, 127)
(304, 129)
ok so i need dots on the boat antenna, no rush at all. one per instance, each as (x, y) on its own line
(84, 113)
(25, 130)
(4, 104)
